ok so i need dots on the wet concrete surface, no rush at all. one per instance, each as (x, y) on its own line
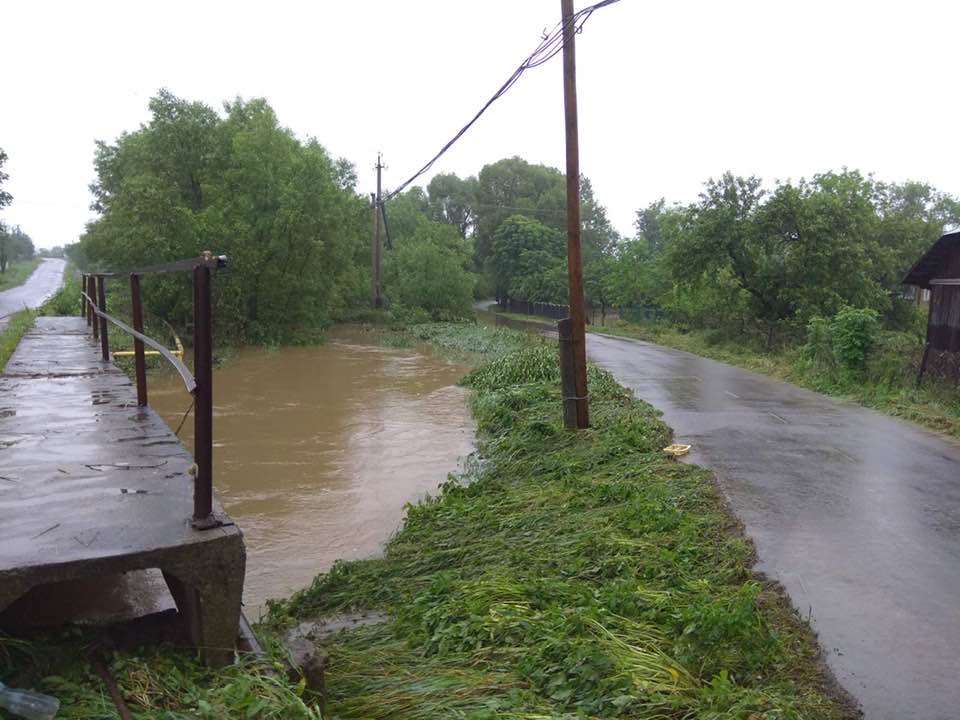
(92, 485)
(38, 288)
(857, 514)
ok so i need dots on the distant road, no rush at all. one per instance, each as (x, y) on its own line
(38, 288)
(856, 513)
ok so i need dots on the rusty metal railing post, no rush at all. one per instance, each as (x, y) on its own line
(139, 358)
(203, 398)
(93, 296)
(102, 303)
(88, 289)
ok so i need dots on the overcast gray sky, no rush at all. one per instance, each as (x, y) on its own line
(671, 93)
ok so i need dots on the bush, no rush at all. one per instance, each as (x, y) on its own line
(895, 358)
(819, 346)
(843, 341)
(423, 273)
(854, 332)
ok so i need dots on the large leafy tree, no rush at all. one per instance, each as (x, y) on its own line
(453, 201)
(240, 184)
(513, 186)
(524, 253)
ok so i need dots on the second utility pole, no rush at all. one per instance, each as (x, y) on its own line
(375, 242)
(578, 333)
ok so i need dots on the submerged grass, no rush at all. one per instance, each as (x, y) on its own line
(470, 343)
(565, 575)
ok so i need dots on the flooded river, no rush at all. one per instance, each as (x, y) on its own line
(319, 448)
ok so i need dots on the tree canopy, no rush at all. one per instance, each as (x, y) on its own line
(238, 184)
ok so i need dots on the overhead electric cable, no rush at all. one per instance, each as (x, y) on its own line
(550, 45)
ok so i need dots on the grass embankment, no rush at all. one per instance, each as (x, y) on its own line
(18, 272)
(887, 384)
(17, 326)
(566, 575)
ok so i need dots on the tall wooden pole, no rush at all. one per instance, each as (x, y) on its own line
(574, 259)
(375, 243)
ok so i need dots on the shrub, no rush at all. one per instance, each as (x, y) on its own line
(845, 340)
(819, 346)
(854, 332)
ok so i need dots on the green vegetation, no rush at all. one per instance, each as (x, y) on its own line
(18, 272)
(17, 326)
(15, 245)
(565, 575)
(66, 301)
(157, 683)
(282, 209)
(465, 342)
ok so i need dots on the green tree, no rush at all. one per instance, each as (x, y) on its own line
(525, 248)
(5, 197)
(282, 210)
(453, 201)
(428, 270)
(15, 245)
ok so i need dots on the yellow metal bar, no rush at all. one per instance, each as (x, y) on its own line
(129, 353)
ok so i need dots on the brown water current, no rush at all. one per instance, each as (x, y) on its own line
(318, 449)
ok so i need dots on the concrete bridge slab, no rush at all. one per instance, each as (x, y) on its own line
(92, 485)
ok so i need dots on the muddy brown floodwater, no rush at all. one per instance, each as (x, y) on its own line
(318, 449)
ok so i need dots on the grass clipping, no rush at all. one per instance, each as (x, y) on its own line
(565, 575)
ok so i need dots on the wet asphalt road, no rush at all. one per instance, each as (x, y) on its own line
(855, 513)
(44, 282)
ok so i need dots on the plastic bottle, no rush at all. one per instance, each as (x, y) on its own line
(28, 704)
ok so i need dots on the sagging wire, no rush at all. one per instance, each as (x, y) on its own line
(550, 45)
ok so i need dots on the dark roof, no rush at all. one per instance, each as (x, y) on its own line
(932, 262)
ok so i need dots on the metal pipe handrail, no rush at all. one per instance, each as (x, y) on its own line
(199, 383)
(184, 371)
(210, 261)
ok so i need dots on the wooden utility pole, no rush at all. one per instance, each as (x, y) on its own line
(375, 243)
(578, 333)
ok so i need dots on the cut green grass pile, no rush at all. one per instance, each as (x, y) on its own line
(566, 575)
(157, 683)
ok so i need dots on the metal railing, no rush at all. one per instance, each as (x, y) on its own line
(547, 310)
(198, 383)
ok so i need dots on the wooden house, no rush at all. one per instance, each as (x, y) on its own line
(938, 271)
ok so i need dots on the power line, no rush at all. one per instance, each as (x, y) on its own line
(550, 45)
